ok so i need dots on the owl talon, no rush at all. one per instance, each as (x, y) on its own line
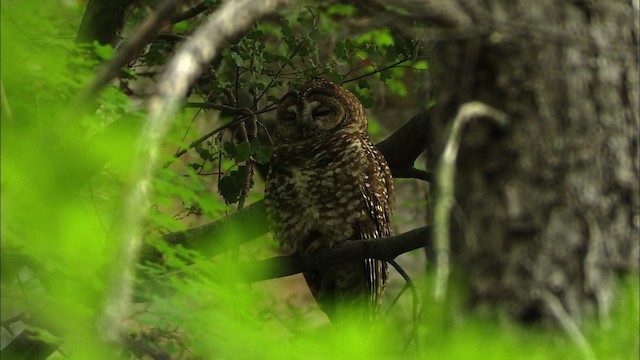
(313, 247)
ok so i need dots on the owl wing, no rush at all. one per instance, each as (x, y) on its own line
(376, 187)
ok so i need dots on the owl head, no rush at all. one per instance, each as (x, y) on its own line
(317, 109)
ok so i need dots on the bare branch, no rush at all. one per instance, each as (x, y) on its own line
(193, 12)
(445, 175)
(387, 248)
(231, 18)
(403, 147)
(131, 48)
(414, 335)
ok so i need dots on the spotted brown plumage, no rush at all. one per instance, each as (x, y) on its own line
(328, 184)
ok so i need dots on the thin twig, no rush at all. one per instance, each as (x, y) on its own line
(396, 298)
(415, 304)
(270, 84)
(204, 137)
(377, 70)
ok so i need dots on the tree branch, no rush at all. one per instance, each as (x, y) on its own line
(403, 147)
(387, 248)
(181, 71)
(143, 34)
(193, 12)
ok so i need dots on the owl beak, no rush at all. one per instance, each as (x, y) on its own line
(307, 125)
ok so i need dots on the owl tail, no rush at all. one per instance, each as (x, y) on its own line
(349, 292)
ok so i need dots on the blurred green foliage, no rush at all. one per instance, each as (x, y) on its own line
(65, 169)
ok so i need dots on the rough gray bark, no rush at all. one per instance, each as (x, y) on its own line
(550, 206)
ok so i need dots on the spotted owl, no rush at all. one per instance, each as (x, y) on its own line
(328, 184)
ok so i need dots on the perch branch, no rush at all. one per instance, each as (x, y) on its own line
(403, 147)
(445, 175)
(181, 71)
(387, 248)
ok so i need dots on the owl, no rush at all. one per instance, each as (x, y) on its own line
(327, 184)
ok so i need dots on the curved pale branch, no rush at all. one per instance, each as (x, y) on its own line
(446, 173)
(231, 18)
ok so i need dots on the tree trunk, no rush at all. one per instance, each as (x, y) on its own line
(549, 207)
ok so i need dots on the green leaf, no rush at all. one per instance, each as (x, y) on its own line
(230, 148)
(204, 153)
(363, 84)
(334, 76)
(380, 37)
(373, 127)
(392, 53)
(237, 59)
(285, 28)
(400, 45)
(340, 50)
(155, 56)
(105, 52)
(262, 153)
(240, 175)
(342, 10)
(367, 101)
(229, 189)
(181, 26)
(349, 45)
(396, 86)
(421, 65)
(243, 151)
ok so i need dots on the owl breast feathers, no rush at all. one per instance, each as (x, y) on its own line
(328, 184)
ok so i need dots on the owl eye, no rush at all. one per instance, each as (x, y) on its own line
(322, 111)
